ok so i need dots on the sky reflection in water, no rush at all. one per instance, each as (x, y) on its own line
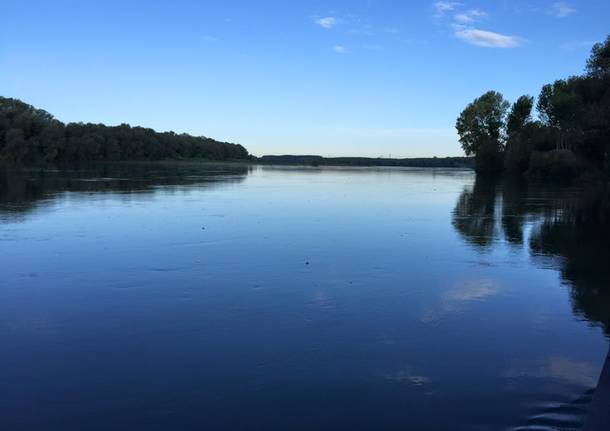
(233, 297)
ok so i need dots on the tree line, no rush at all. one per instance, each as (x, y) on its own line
(570, 134)
(30, 135)
(420, 162)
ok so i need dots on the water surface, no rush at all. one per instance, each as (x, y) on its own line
(233, 297)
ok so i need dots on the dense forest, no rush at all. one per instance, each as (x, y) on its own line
(570, 135)
(30, 135)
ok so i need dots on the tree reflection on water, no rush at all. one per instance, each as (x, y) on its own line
(567, 228)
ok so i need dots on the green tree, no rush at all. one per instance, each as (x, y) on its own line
(571, 133)
(519, 142)
(481, 129)
(28, 134)
(560, 106)
(15, 148)
(598, 64)
(519, 115)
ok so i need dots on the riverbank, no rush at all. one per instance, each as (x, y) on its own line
(418, 162)
(288, 160)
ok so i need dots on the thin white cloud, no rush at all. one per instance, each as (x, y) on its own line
(327, 22)
(442, 7)
(561, 10)
(487, 39)
(339, 49)
(470, 16)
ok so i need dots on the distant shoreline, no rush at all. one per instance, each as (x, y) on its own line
(418, 162)
(314, 161)
(424, 162)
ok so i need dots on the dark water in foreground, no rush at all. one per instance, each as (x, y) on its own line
(227, 298)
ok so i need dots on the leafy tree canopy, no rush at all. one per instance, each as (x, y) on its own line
(574, 118)
(28, 134)
(598, 64)
(481, 122)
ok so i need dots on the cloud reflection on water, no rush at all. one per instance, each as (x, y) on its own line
(457, 299)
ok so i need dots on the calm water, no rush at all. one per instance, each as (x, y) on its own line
(261, 298)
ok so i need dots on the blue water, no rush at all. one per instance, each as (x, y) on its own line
(259, 298)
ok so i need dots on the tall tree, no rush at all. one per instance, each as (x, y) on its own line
(520, 114)
(598, 64)
(481, 129)
(518, 132)
(560, 106)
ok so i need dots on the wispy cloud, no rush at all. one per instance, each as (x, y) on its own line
(487, 39)
(464, 29)
(561, 10)
(326, 22)
(470, 16)
(339, 49)
(442, 7)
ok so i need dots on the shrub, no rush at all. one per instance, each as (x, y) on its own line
(555, 164)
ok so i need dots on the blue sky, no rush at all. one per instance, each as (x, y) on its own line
(371, 78)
